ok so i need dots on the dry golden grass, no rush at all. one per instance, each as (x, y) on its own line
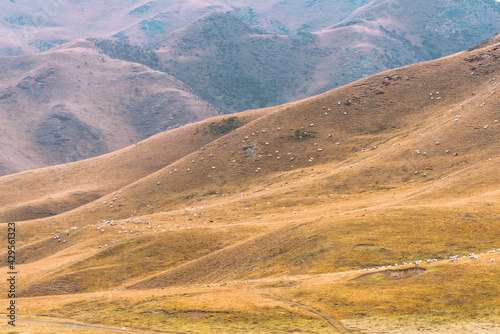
(257, 245)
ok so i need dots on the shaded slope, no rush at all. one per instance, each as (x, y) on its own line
(56, 107)
(236, 67)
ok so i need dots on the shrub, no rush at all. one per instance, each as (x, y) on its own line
(225, 126)
(303, 135)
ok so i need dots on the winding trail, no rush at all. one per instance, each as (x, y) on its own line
(333, 323)
(101, 328)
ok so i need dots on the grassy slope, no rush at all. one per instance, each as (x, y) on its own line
(53, 190)
(294, 258)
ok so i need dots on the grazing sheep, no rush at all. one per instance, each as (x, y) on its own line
(473, 256)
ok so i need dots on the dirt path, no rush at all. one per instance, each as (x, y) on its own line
(333, 323)
(62, 324)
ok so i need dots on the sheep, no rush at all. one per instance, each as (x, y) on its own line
(492, 260)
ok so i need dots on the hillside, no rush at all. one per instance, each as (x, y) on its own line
(305, 217)
(199, 59)
(237, 65)
(73, 103)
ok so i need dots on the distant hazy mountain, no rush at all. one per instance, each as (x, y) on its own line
(33, 26)
(238, 66)
(72, 103)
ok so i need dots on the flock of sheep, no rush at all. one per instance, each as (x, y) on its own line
(134, 226)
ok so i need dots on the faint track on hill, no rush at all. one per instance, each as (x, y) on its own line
(62, 324)
(293, 305)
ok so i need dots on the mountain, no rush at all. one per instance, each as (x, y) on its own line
(197, 59)
(35, 27)
(235, 66)
(74, 102)
(38, 26)
(304, 217)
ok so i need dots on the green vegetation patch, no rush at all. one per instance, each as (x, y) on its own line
(142, 9)
(225, 126)
(303, 135)
(124, 51)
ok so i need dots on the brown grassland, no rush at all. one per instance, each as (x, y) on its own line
(268, 227)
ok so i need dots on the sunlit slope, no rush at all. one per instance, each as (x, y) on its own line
(52, 190)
